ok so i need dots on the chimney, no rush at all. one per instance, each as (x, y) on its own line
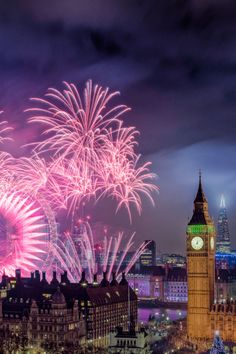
(83, 280)
(37, 275)
(95, 279)
(54, 280)
(114, 281)
(104, 281)
(83, 276)
(64, 278)
(123, 279)
(18, 274)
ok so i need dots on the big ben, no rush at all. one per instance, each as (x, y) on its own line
(200, 267)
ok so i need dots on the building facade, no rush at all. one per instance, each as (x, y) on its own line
(148, 257)
(206, 314)
(149, 283)
(200, 267)
(175, 285)
(163, 284)
(63, 314)
(128, 342)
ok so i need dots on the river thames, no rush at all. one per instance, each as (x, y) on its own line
(160, 314)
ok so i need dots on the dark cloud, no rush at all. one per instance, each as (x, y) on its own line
(173, 61)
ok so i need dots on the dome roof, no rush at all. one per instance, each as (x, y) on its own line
(58, 297)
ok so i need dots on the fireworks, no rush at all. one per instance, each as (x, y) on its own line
(94, 153)
(4, 130)
(86, 153)
(22, 231)
(66, 253)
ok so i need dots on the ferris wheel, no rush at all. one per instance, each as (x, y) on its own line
(27, 228)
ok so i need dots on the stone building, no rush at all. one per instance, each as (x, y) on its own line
(64, 314)
(205, 316)
(105, 306)
(148, 283)
(128, 342)
(164, 284)
(176, 289)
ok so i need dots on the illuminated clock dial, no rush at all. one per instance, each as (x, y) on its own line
(212, 243)
(197, 243)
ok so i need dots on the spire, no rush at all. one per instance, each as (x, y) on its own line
(223, 244)
(222, 202)
(200, 197)
(200, 212)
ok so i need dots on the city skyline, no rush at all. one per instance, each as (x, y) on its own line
(117, 176)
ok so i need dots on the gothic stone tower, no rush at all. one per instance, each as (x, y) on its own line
(200, 267)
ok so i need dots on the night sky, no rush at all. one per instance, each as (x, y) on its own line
(175, 65)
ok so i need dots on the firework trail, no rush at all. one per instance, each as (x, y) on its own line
(77, 126)
(87, 153)
(67, 255)
(94, 153)
(4, 130)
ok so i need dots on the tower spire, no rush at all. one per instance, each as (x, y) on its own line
(200, 197)
(223, 244)
(200, 212)
(222, 201)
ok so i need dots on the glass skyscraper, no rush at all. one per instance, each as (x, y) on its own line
(223, 236)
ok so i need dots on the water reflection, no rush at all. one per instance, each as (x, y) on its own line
(160, 314)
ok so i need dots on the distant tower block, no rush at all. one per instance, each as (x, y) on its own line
(223, 236)
(148, 257)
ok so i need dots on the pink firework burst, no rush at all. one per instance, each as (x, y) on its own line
(4, 130)
(22, 233)
(77, 126)
(94, 153)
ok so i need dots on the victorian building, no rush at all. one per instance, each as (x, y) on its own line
(63, 314)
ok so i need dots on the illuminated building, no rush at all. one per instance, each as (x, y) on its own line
(40, 312)
(106, 307)
(223, 236)
(200, 268)
(165, 284)
(61, 313)
(148, 257)
(149, 284)
(175, 259)
(128, 342)
(175, 287)
(205, 314)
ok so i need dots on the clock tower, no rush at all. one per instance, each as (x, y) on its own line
(200, 267)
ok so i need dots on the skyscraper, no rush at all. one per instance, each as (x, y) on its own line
(148, 257)
(223, 235)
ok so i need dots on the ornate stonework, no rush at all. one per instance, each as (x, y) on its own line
(200, 267)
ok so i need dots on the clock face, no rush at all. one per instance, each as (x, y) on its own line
(197, 243)
(212, 243)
